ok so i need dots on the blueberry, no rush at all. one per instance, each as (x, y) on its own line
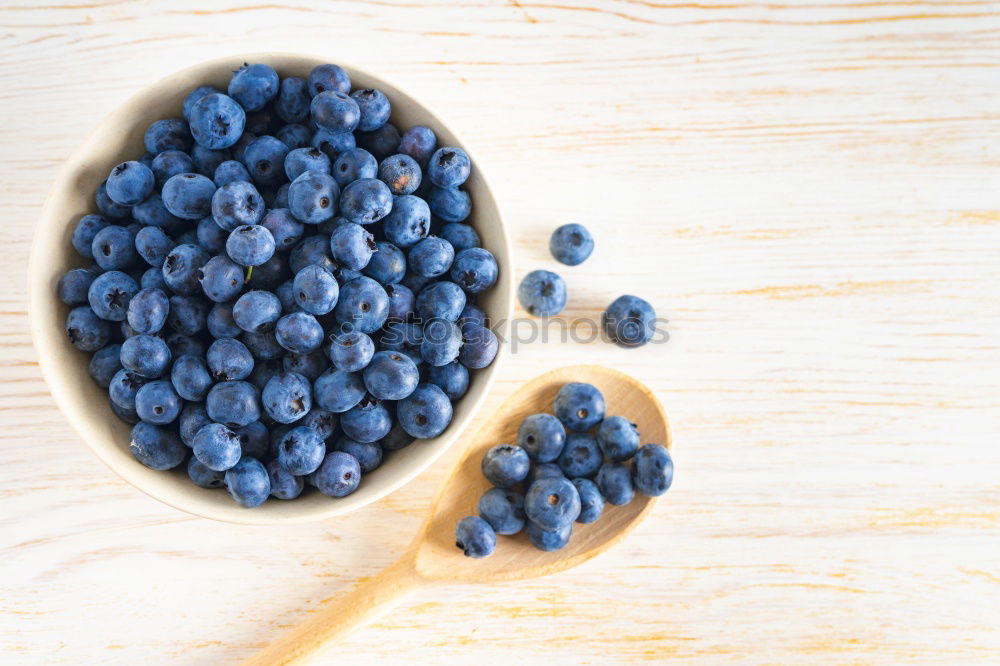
(350, 351)
(234, 404)
(312, 250)
(542, 293)
(152, 212)
(315, 290)
(190, 377)
(479, 347)
(332, 143)
(552, 503)
(387, 265)
(401, 301)
(295, 136)
(146, 355)
(450, 203)
(401, 173)
(167, 134)
(375, 108)
(114, 248)
(335, 111)
(581, 456)
(368, 454)
(264, 346)
(618, 438)
(182, 268)
(313, 196)
(221, 279)
(299, 332)
(156, 448)
(366, 200)
(236, 204)
(84, 232)
(124, 385)
(253, 86)
(153, 279)
(104, 364)
(109, 295)
(338, 390)
(615, 483)
(338, 475)
(256, 311)
(503, 510)
(248, 482)
(461, 236)
(220, 322)
(354, 164)
(310, 365)
(286, 294)
(396, 439)
(202, 476)
(300, 160)
(542, 436)
(130, 182)
(285, 229)
(153, 245)
(367, 421)
(548, 540)
(444, 300)
(505, 465)
(591, 500)
(652, 470)
(287, 397)
(107, 206)
(629, 321)
(449, 167)
(181, 344)
(250, 245)
(211, 236)
(391, 376)
(74, 285)
(265, 160)
(259, 122)
(419, 143)
(579, 406)
(206, 161)
(352, 246)
(363, 304)
(228, 172)
(158, 403)
(425, 413)
(196, 95)
(86, 331)
(229, 360)
(170, 163)
(322, 421)
(452, 378)
(254, 438)
(408, 222)
(474, 537)
(571, 244)
(441, 343)
(475, 270)
(187, 315)
(301, 451)
(472, 315)
(188, 195)
(431, 257)
(292, 104)
(284, 486)
(328, 77)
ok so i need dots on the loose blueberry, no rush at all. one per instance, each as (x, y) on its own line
(474, 537)
(629, 321)
(652, 470)
(542, 293)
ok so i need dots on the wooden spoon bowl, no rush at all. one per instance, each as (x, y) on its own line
(433, 558)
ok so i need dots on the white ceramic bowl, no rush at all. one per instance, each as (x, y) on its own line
(120, 137)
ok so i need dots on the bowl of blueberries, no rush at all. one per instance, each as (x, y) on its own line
(270, 289)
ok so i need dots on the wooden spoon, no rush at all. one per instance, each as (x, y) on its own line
(433, 559)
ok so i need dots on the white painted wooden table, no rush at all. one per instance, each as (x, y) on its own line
(811, 194)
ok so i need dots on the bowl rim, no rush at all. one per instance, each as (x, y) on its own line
(49, 342)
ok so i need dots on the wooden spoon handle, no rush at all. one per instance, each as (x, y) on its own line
(337, 615)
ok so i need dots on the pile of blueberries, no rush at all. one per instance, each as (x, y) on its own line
(283, 286)
(566, 477)
(629, 321)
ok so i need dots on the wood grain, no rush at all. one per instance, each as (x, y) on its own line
(810, 192)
